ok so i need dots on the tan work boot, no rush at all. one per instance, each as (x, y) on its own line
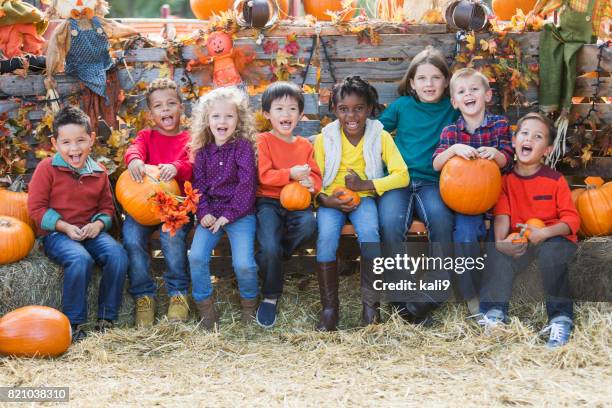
(208, 314)
(249, 308)
(145, 311)
(178, 309)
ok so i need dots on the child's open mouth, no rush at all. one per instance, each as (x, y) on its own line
(470, 103)
(286, 124)
(526, 150)
(75, 159)
(221, 131)
(168, 120)
(352, 125)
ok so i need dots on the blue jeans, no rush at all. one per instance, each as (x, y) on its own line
(77, 259)
(469, 231)
(241, 234)
(136, 238)
(396, 209)
(279, 233)
(553, 257)
(330, 222)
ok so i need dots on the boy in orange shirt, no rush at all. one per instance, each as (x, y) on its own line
(533, 190)
(282, 158)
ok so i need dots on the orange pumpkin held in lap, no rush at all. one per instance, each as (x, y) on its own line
(34, 331)
(346, 193)
(516, 238)
(295, 197)
(134, 197)
(470, 187)
(16, 239)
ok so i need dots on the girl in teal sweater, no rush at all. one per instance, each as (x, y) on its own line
(418, 116)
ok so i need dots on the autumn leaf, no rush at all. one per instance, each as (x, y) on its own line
(471, 42)
(270, 47)
(587, 154)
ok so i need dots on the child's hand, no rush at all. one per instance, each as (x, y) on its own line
(515, 250)
(537, 235)
(166, 172)
(487, 152)
(221, 221)
(465, 151)
(308, 183)
(92, 230)
(333, 201)
(208, 220)
(299, 172)
(137, 170)
(73, 232)
(356, 183)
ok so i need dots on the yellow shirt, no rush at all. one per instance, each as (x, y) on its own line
(352, 158)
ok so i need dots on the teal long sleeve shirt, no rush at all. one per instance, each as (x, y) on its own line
(418, 126)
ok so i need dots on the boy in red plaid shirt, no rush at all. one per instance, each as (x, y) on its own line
(476, 134)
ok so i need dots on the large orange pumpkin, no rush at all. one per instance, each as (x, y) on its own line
(134, 197)
(295, 197)
(14, 203)
(318, 9)
(595, 208)
(203, 9)
(347, 193)
(34, 331)
(505, 9)
(16, 239)
(470, 186)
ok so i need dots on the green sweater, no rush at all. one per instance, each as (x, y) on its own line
(418, 127)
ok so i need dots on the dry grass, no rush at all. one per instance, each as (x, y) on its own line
(394, 364)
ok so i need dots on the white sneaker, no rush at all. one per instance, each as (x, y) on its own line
(491, 319)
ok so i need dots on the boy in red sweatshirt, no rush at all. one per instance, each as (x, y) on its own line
(70, 200)
(533, 190)
(282, 158)
(163, 146)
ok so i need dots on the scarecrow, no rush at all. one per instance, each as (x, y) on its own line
(580, 22)
(79, 47)
(21, 27)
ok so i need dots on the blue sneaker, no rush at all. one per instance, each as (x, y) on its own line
(266, 314)
(560, 328)
(491, 319)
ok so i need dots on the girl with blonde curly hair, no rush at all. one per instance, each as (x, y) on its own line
(225, 173)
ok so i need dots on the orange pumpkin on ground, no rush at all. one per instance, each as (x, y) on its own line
(594, 205)
(506, 9)
(470, 186)
(34, 331)
(16, 239)
(347, 193)
(134, 197)
(14, 203)
(318, 9)
(295, 197)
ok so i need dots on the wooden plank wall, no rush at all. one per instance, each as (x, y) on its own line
(383, 65)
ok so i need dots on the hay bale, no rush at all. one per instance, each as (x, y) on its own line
(590, 274)
(36, 280)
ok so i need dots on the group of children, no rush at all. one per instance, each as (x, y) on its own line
(240, 174)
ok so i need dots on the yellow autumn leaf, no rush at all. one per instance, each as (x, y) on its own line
(484, 45)
(309, 89)
(587, 154)
(282, 57)
(471, 42)
(164, 71)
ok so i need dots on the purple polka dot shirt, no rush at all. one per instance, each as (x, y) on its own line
(226, 176)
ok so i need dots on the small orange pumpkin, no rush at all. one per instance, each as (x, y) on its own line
(595, 208)
(134, 197)
(347, 193)
(14, 202)
(506, 9)
(470, 186)
(34, 331)
(516, 238)
(16, 239)
(295, 197)
(529, 224)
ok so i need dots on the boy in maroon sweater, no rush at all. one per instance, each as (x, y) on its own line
(163, 146)
(70, 201)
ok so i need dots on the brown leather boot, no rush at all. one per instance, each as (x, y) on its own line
(370, 313)
(327, 275)
(249, 308)
(208, 314)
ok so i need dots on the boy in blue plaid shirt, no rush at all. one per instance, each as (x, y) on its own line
(476, 134)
